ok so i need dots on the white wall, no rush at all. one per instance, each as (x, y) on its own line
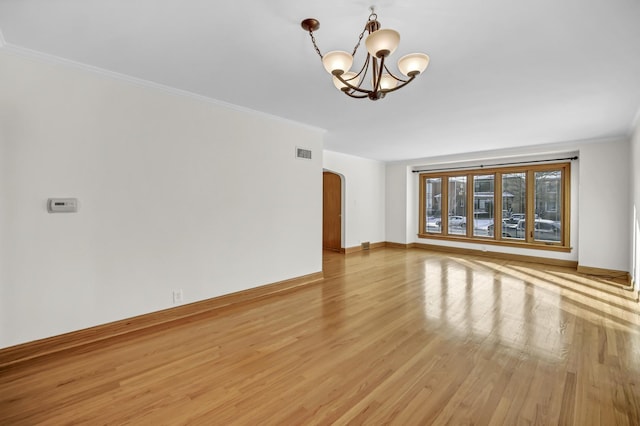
(174, 192)
(364, 197)
(603, 232)
(599, 165)
(397, 208)
(634, 264)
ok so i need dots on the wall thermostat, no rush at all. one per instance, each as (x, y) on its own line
(62, 205)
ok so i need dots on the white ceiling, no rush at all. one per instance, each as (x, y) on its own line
(503, 73)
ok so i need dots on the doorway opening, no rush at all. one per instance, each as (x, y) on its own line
(331, 211)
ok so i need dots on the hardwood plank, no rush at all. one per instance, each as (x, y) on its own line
(86, 338)
(388, 336)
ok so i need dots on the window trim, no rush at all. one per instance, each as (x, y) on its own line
(529, 242)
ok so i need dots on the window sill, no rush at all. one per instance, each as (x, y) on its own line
(503, 243)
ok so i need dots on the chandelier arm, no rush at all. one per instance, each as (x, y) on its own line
(394, 76)
(378, 77)
(355, 96)
(362, 73)
(374, 74)
(351, 86)
(400, 86)
(364, 69)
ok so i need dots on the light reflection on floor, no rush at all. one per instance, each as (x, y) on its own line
(540, 304)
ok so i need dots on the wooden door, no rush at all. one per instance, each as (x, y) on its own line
(331, 211)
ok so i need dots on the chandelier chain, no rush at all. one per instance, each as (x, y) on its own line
(313, 40)
(372, 17)
(360, 39)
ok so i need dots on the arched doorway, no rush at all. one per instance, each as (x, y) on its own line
(331, 211)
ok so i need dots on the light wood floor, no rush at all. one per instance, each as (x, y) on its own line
(407, 337)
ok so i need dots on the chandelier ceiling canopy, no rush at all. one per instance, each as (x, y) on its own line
(380, 44)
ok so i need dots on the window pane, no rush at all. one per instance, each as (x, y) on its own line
(432, 199)
(548, 188)
(483, 205)
(514, 205)
(533, 204)
(457, 205)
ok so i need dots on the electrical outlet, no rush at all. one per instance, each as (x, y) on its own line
(177, 296)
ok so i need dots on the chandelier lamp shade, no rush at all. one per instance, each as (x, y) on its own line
(374, 80)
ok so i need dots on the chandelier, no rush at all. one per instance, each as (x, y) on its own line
(380, 44)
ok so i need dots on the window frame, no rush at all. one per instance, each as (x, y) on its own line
(529, 240)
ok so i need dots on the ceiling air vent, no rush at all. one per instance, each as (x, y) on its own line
(303, 153)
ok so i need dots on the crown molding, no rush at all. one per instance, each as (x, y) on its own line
(52, 59)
